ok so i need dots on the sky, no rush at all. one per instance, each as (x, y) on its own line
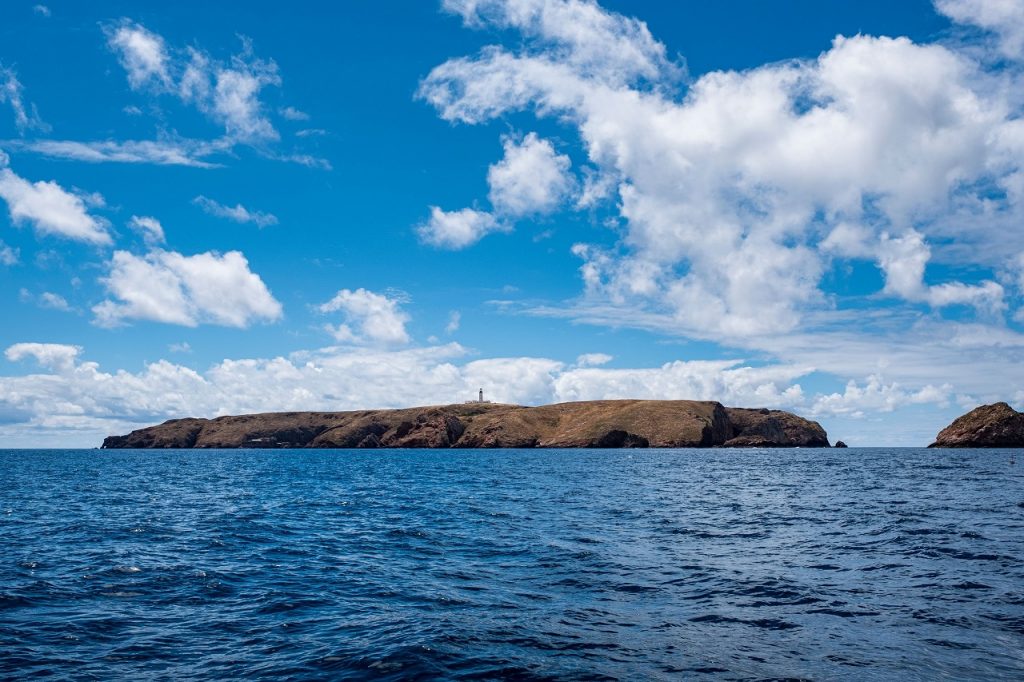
(214, 208)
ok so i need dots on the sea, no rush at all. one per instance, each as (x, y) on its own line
(855, 564)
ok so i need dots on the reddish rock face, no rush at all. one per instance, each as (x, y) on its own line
(988, 426)
(585, 424)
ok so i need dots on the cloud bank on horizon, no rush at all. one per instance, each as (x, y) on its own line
(841, 235)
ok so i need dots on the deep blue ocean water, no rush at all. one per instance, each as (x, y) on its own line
(547, 564)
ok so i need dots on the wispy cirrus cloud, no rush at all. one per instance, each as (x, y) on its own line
(47, 300)
(149, 227)
(307, 160)
(13, 93)
(293, 114)
(236, 213)
(161, 153)
(227, 92)
(9, 255)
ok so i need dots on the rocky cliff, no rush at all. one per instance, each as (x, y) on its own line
(592, 424)
(988, 426)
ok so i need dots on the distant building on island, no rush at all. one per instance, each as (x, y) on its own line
(480, 399)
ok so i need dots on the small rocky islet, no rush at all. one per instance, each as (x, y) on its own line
(585, 424)
(989, 426)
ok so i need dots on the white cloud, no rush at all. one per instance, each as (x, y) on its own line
(142, 53)
(736, 197)
(236, 100)
(600, 44)
(53, 301)
(876, 396)
(722, 380)
(454, 320)
(50, 209)
(237, 213)
(47, 300)
(182, 347)
(531, 178)
(369, 318)
(12, 92)
(458, 229)
(293, 114)
(978, 359)
(8, 254)
(593, 359)
(166, 286)
(169, 153)
(307, 160)
(1005, 18)
(150, 228)
(903, 260)
(226, 92)
(41, 10)
(56, 356)
(194, 83)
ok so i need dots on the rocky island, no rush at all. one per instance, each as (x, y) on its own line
(589, 424)
(989, 426)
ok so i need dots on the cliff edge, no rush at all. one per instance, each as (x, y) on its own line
(588, 424)
(989, 426)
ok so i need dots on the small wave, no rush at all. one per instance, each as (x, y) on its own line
(843, 613)
(13, 601)
(947, 644)
(764, 623)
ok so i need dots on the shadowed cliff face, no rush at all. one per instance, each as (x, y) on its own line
(989, 426)
(592, 424)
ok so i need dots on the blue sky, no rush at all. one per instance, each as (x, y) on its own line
(210, 210)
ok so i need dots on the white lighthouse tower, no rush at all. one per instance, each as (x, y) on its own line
(480, 398)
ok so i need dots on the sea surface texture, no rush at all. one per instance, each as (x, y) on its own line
(625, 564)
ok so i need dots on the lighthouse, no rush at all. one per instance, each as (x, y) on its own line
(480, 398)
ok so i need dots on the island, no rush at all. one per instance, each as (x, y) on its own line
(989, 426)
(478, 424)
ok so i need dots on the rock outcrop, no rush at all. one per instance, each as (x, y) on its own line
(588, 424)
(772, 428)
(988, 426)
